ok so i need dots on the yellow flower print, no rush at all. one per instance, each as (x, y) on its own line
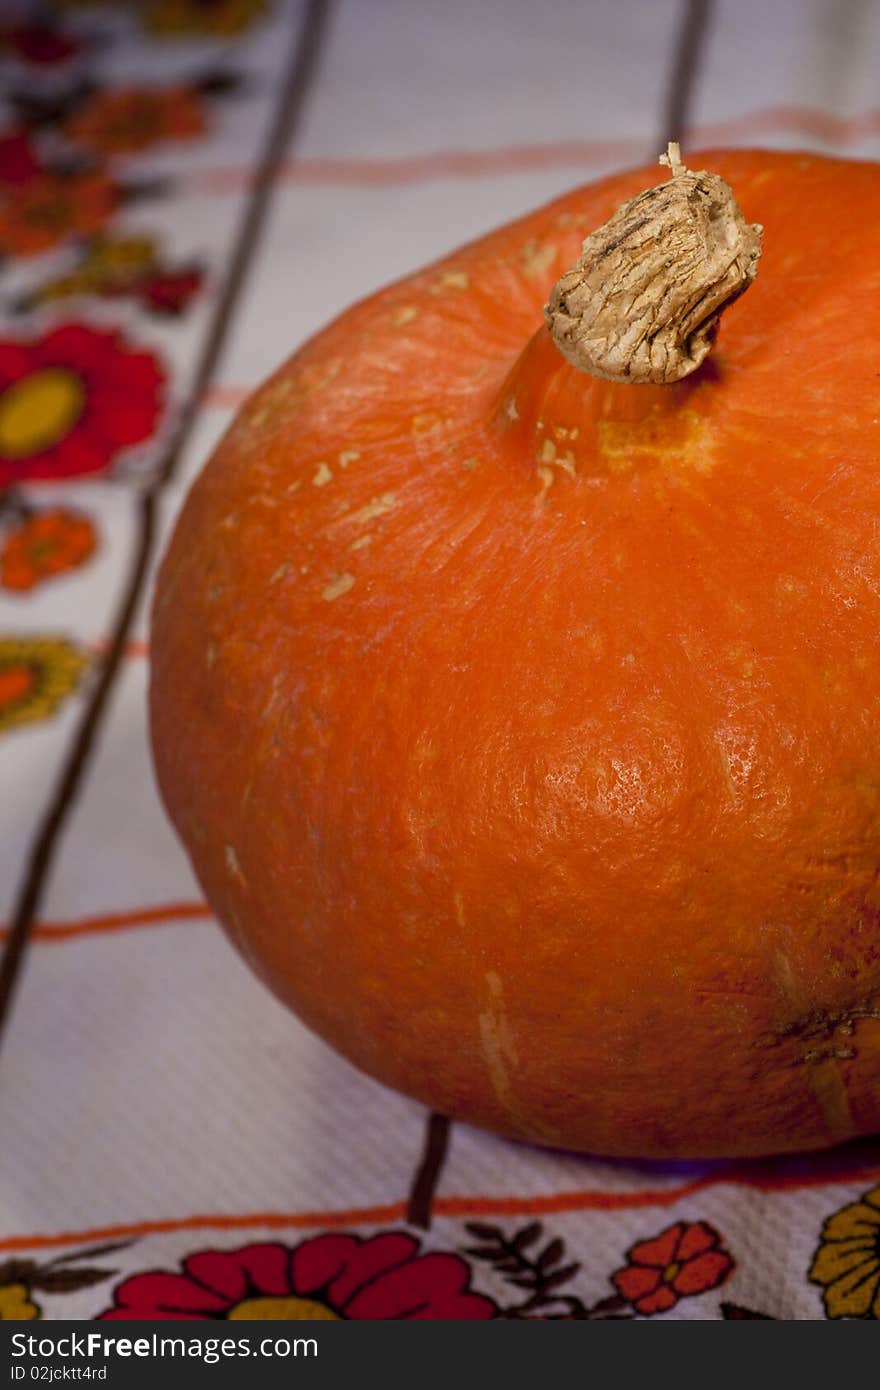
(110, 265)
(219, 17)
(36, 675)
(16, 1304)
(847, 1262)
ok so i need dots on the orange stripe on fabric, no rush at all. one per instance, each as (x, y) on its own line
(441, 164)
(552, 1204)
(134, 648)
(557, 1203)
(121, 921)
(360, 1216)
(791, 120)
(225, 397)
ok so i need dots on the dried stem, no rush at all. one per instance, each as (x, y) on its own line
(642, 303)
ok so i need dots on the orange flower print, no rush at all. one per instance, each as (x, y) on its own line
(36, 675)
(46, 544)
(683, 1260)
(52, 208)
(133, 119)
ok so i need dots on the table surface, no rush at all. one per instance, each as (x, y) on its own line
(183, 200)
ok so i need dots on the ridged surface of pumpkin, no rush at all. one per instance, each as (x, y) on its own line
(524, 728)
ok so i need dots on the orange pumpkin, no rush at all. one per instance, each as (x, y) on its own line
(524, 728)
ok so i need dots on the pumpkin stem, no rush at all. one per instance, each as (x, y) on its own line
(643, 302)
(672, 158)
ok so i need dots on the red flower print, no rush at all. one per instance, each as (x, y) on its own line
(170, 291)
(327, 1277)
(683, 1260)
(38, 44)
(71, 401)
(19, 164)
(46, 544)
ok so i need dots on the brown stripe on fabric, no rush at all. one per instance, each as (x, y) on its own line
(689, 50)
(297, 85)
(421, 1197)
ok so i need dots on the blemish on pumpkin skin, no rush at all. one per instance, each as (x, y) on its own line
(451, 280)
(498, 1047)
(405, 315)
(737, 757)
(593, 640)
(377, 507)
(294, 487)
(275, 406)
(820, 1054)
(362, 541)
(570, 219)
(548, 454)
(276, 695)
(425, 751)
(342, 584)
(682, 439)
(314, 381)
(545, 475)
(348, 456)
(536, 259)
(819, 1023)
(789, 586)
(829, 1091)
(429, 421)
(198, 830)
(458, 904)
(323, 475)
(281, 572)
(232, 865)
(501, 1058)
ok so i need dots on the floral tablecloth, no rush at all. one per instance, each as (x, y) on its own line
(189, 188)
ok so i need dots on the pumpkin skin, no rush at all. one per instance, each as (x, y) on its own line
(523, 728)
